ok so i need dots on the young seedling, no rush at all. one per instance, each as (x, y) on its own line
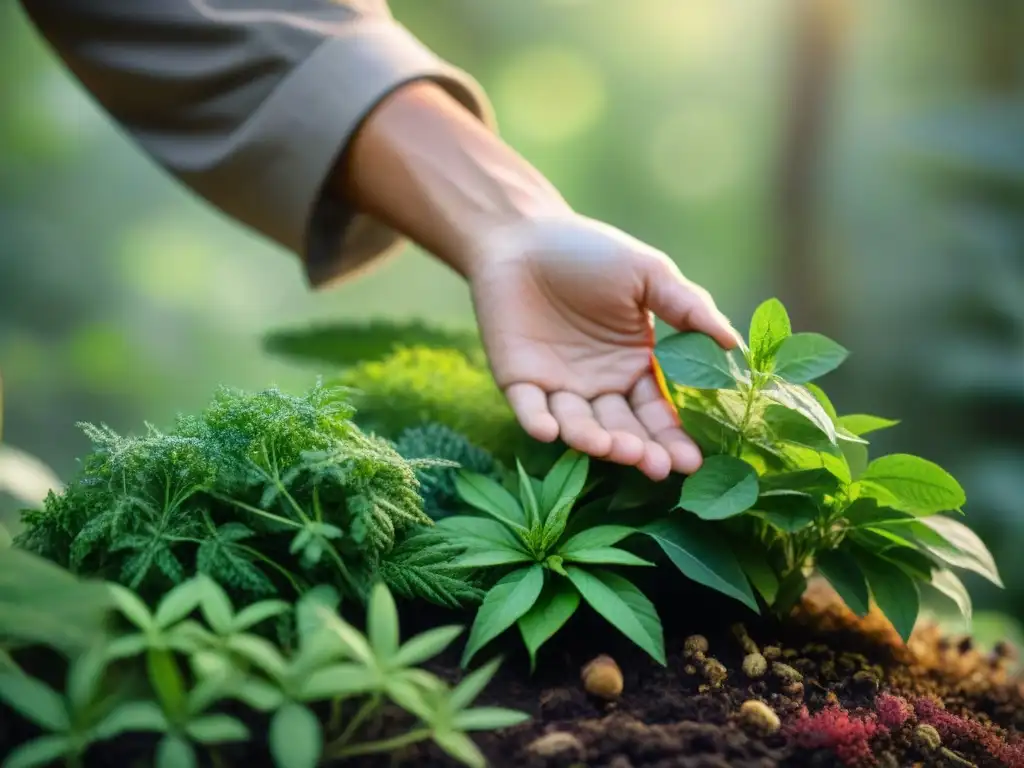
(549, 569)
(793, 483)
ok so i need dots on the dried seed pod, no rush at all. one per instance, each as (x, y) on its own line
(695, 644)
(755, 665)
(602, 678)
(786, 673)
(759, 717)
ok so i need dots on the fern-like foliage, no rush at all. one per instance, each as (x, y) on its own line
(437, 483)
(419, 385)
(264, 492)
(421, 568)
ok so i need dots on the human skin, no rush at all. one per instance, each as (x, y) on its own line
(564, 303)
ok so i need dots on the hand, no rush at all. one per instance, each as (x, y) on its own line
(564, 306)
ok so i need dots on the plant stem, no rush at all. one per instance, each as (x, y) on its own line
(748, 408)
(385, 745)
(258, 511)
(274, 564)
(364, 712)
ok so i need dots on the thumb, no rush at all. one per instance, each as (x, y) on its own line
(685, 305)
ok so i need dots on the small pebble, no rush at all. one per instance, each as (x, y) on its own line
(755, 665)
(771, 652)
(715, 672)
(602, 678)
(557, 744)
(786, 673)
(759, 717)
(695, 644)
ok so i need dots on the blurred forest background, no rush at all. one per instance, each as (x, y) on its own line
(861, 159)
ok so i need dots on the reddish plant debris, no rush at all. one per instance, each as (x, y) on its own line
(955, 729)
(893, 711)
(847, 735)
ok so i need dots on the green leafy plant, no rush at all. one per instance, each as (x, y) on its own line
(792, 479)
(172, 673)
(549, 567)
(264, 492)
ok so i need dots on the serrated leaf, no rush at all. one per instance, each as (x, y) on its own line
(624, 607)
(564, 481)
(723, 487)
(949, 584)
(555, 606)
(862, 424)
(916, 484)
(798, 399)
(804, 357)
(489, 497)
(895, 593)
(769, 326)
(507, 600)
(843, 572)
(694, 360)
(700, 552)
(296, 737)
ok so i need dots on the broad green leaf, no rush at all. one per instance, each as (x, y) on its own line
(216, 729)
(35, 700)
(478, 532)
(721, 488)
(843, 572)
(216, 606)
(711, 435)
(339, 681)
(694, 359)
(507, 600)
(178, 603)
(915, 562)
(787, 425)
(488, 718)
(701, 553)
(426, 645)
(257, 613)
(816, 482)
(798, 399)
(604, 556)
(491, 558)
(598, 536)
(791, 589)
(963, 547)
(862, 424)
(461, 747)
(527, 497)
(489, 497)
(949, 584)
(38, 753)
(916, 484)
(804, 357)
(754, 562)
(789, 511)
(132, 717)
(769, 326)
(555, 606)
(175, 752)
(624, 606)
(565, 480)
(798, 457)
(895, 593)
(868, 512)
(296, 737)
(382, 623)
(857, 458)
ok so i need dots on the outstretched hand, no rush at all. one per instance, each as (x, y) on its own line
(565, 310)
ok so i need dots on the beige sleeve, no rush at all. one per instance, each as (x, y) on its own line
(251, 103)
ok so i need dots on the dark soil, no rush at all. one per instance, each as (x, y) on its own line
(852, 669)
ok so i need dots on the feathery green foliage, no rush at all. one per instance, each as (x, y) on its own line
(437, 483)
(264, 492)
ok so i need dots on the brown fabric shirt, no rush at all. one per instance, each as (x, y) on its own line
(250, 103)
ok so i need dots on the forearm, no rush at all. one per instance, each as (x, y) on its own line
(427, 167)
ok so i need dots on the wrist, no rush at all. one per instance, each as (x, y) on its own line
(426, 166)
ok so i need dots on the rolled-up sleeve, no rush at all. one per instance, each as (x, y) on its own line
(252, 103)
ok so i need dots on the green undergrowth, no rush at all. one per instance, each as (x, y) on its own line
(218, 563)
